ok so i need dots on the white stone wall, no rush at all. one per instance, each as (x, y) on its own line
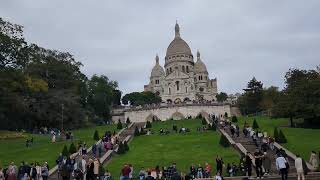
(176, 112)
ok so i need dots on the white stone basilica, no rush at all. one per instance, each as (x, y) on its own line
(182, 79)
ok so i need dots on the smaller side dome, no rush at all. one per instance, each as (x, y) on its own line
(199, 66)
(157, 70)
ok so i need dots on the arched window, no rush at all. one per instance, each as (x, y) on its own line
(186, 89)
(169, 91)
(187, 69)
(182, 68)
(170, 70)
(199, 78)
(177, 84)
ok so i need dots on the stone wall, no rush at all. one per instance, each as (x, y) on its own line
(173, 112)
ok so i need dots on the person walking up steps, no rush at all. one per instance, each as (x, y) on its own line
(281, 166)
(299, 167)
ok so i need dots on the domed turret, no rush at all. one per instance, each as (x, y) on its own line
(199, 66)
(157, 70)
(178, 47)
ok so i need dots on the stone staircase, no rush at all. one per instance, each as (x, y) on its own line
(250, 146)
(123, 134)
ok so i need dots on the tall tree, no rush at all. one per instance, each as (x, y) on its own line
(222, 96)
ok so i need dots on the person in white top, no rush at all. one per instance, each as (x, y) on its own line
(299, 167)
(281, 166)
(83, 166)
(218, 176)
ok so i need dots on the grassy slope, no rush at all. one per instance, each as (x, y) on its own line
(42, 149)
(300, 141)
(184, 149)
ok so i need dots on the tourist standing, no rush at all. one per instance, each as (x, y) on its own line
(248, 164)
(131, 171)
(200, 171)
(142, 173)
(125, 171)
(90, 170)
(38, 168)
(218, 176)
(83, 166)
(96, 164)
(314, 160)
(281, 166)
(266, 162)
(258, 161)
(207, 170)
(299, 167)
(219, 163)
(45, 171)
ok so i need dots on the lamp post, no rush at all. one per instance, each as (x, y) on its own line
(62, 107)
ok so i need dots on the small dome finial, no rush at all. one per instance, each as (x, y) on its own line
(157, 59)
(177, 29)
(198, 54)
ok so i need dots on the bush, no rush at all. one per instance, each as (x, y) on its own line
(255, 124)
(282, 138)
(125, 146)
(121, 148)
(148, 125)
(65, 151)
(245, 124)
(174, 128)
(224, 141)
(72, 148)
(136, 131)
(96, 135)
(213, 127)
(234, 119)
(203, 121)
(119, 125)
(276, 134)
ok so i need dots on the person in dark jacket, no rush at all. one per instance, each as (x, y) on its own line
(248, 164)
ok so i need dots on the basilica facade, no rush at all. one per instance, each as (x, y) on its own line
(181, 79)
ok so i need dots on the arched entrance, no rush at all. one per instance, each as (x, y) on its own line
(177, 116)
(152, 117)
(177, 101)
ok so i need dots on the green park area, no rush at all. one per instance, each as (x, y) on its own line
(13, 148)
(184, 149)
(300, 140)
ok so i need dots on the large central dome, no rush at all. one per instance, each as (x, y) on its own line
(178, 45)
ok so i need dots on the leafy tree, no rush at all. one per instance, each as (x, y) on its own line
(224, 141)
(250, 100)
(125, 146)
(148, 124)
(96, 135)
(141, 98)
(255, 124)
(136, 131)
(72, 148)
(65, 151)
(234, 119)
(282, 138)
(222, 96)
(276, 134)
(119, 125)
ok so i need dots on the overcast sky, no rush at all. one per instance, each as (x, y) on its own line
(237, 39)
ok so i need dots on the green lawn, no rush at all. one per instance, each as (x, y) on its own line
(183, 149)
(300, 141)
(42, 149)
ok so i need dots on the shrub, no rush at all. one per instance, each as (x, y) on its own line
(96, 135)
(119, 125)
(65, 151)
(72, 148)
(255, 124)
(276, 134)
(203, 121)
(234, 119)
(245, 124)
(121, 148)
(148, 125)
(224, 141)
(136, 131)
(125, 146)
(199, 116)
(174, 128)
(282, 138)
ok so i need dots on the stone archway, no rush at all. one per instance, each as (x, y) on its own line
(177, 101)
(203, 114)
(152, 117)
(186, 99)
(177, 116)
(169, 101)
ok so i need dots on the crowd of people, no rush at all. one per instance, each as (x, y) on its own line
(266, 154)
(25, 171)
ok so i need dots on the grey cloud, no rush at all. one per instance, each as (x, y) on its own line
(237, 39)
